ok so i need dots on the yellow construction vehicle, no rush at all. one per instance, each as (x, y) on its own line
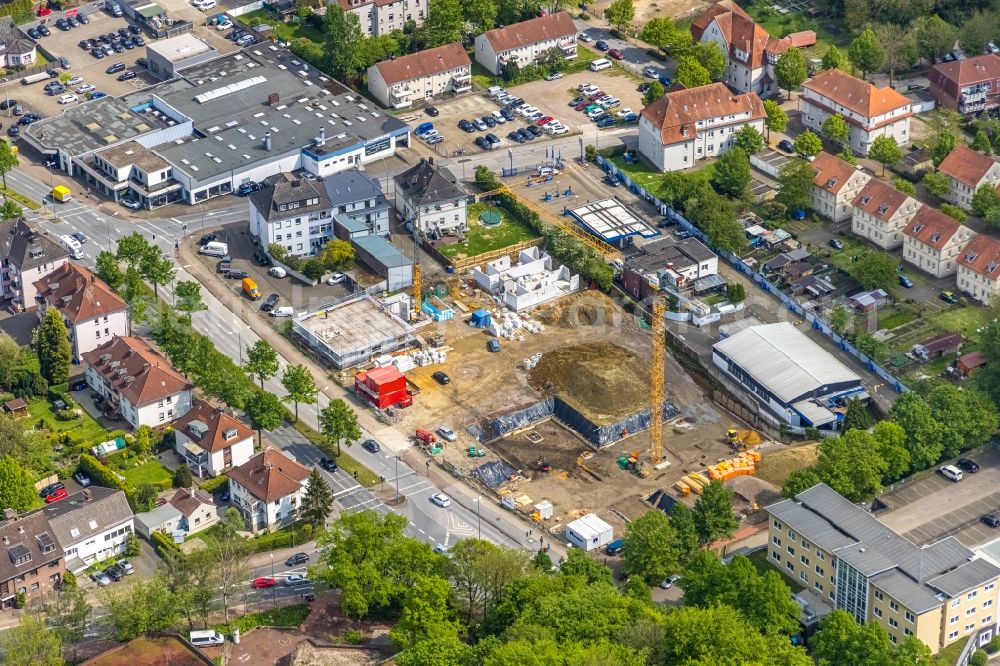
(741, 440)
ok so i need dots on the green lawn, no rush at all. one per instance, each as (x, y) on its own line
(285, 32)
(80, 429)
(779, 25)
(482, 77)
(949, 655)
(763, 565)
(895, 319)
(964, 320)
(149, 472)
(479, 238)
(650, 179)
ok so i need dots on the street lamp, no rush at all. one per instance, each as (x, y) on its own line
(239, 337)
(479, 517)
(397, 478)
(274, 601)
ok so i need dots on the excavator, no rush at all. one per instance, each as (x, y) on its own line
(741, 440)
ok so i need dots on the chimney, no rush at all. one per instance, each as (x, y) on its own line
(192, 492)
(267, 141)
(322, 136)
(272, 99)
(87, 495)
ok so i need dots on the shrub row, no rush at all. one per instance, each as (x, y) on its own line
(164, 544)
(212, 486)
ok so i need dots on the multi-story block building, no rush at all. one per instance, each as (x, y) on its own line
(292, 212)
(932, 241)
(969, 86)
(430, 197)
(979, 268)
(211, 441)
(26, 255)
(689, 125)
(93, 313)
(32, 561)
(968, 170)
(870, 112)
(357, 196)
(380, 17)
(939, 593)
(268, 489)
(134, 171)
(523, 43)
(91, 525)
(137, 382)
(423, 75)
(881, 212)
(836, 185)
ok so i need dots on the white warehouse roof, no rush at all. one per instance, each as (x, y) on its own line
(589, 526)
(783, 359)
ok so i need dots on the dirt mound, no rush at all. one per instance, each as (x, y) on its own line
(603, 381)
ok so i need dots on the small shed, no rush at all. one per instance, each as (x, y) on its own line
(164, 518)
(481, 319)
(867, 301)
(938, 346)
(966, 363)
(17, 406)
(589, 532)
(543, 510)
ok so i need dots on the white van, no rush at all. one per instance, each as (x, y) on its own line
(214, 249)
(206, 638)
(72, 246)
(951, 472)
(599, 64)
(283, 311)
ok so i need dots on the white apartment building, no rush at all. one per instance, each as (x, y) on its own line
(524, 42)
(268, 489)
(211, 441)
(400, 82)
(93, 313)
(431, 198)
(292, 212)
(685, 126)
(979, 268)
(132, 170)
(91, 525)
(881, 212)
(836, 184)
(870, 112)
(968, 170)
(136, 382)
(26, 255)
(932, 241)
(380, 17)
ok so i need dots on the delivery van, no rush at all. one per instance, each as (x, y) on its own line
(214, 249)
(283, 311)
(72, 246)
(205, 638)
(599, 64)
(250, 289)
(61, 193)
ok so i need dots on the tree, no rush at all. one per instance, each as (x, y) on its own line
(653, 93)
(10, 210)
(17, 491)
(481, 15)
(299, 384)
(711, 58)
(874, 270)
(791, 70)
(649, 548)
(965, 421)
(265, 412)
(156, 268)
(685, 532)
(342, 50)
(795, 181)
(132, 248)
(30, 643)
(841, 641)
(716, 216)
(317, 503)
(985, 198)
(262, 361)
(799, 480)
(807, 144)
(735, 292)
(850, 464)
(144, 605)
(837, 130)
(8, 160)
(884, 150)
(230, 556)
(857, 416)
(923, 433)
(866, 53)
(578, 564)
(832, 59)
(52, 347)
(338, 422)
(982, 143)
(891, 441)
(937, 183)
(978, 658)
(68, 615)
(193, 581)
(466, 571)
(732, 172)
(664, 35)
(977, 32)
(749, 140)
(904, 186)
(188, 293)
(425, 613)
(840, 318)
(690, 72)
(953, 211)
(713, 513)
(898, 46)
(109, 270)
(183, 477)
(777, 119)
(443, 24)
(620, 14)
(11, 357)
(439, 651)
(144, 440)
(935, 37)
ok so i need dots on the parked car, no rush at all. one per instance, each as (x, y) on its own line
(114, 573)
(100, 578)
(336, 278)
(948, 297)
(441, 378)
(328, 464)
(82, 479)
(277, 271)
(295, 579)
(905, 281)
(51, 488)
(269, 303)
(432, 111)
(584, 37)
(115, 68)
(57, 495)
(991, 519)
(836, 243)
(553, 76)
(237, 274)
(371, 446)
(617, 54)
(441, 500)
(651, 72)
(263, 582)
(126, 76)
(68, 98)
(967, 465)
(126, 567)
(668, 583)
(786, 146)
(601, 45)
(297, 558)
(447, 433)
(249, 188)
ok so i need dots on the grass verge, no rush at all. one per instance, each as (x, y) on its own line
(28, 202)
(949, 655)
(289, 536)
(362, 474)
(289, 616)
(479, 238)
(286, 32)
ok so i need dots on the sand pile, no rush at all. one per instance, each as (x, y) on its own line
(603, 381)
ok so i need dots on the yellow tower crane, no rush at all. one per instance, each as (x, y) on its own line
(656, 383)
(416, 284)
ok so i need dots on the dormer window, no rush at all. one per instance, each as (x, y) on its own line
(935, 238)
(19, 554)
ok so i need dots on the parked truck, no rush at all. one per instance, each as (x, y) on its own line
(250, 289)
(35, 78)
(62, 194)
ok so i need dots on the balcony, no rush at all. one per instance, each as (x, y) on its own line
(972, 107)
(568, 49)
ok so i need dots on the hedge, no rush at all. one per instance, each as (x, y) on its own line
(164, 544)
(100, 474)
(212, 486)
(289, 616)
(84, 447)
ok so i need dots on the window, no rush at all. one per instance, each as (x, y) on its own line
(971, 611)
(776, 541)
(893, 606)
(987, 603)
(971, 595)
(989, 587)
(819, 555)
(953, 620)
(987, 619)
(878, 595)
(777, 525)
(952, 635)
(892, 638)
(955, 602)
(970, 626)
(819, 571)
(789, 566)
(893, 623)
(805, 544)
(161, 416)
(804, 560)
(907, 632)
(98, 332)
(803, 577)
(775, 556)
(909, 616)
(877, 612)
(818, 585)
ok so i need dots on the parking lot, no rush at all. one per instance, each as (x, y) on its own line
(932, 507)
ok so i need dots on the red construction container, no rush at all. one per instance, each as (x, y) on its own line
(383, 387)
(425, 436)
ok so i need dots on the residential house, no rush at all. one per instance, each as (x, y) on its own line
(938, 346)
(17, 50)
(968, 170)
(867, 301)
(210, 441)
(933, 240)
(525, 42)
(941, 593)
(880, 212)
(131, 170)
(430, 198)
(399, 82)
(27, 254)
(672, 264)
(91, 525)
(870, 112)
(197, 508)
(137, 382)
(835, 187)
(979, 268)
(268, 489)
(292, 212)
(32, 562)
(92, 311)
(692, 124)
(380, 17)
(969, 86)
(357, 196)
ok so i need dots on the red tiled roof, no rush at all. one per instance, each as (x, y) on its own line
(187, 500)
(135, 370)
(879, 199)
(832, 173)
(78, 294)
(424, 63)
(217, 422)
(982, 255)
(270, 475)
(532, 31)
(932, 227)
(966, 165)
(677, 112)
(852, 93)
(739, 31)
(968, 71)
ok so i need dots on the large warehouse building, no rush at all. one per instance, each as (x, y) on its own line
(787, 373)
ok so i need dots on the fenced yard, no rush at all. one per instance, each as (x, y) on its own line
(480, 238)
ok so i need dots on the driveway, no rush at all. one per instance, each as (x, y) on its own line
(636, 56)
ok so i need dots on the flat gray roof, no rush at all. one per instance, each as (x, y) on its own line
(181, 47)
(383, 251)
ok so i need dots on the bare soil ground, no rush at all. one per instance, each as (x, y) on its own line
(650, 9)
(775, 466)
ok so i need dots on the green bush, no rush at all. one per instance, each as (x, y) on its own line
(289, 616)
(66, 415)
(352, 637)
(164, 544)
(978, 658)
(69, 579)
(993, 645)
(284, 538)
(212, 486)
(100, 474)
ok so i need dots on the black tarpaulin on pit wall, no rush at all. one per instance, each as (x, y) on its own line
(493, 473)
